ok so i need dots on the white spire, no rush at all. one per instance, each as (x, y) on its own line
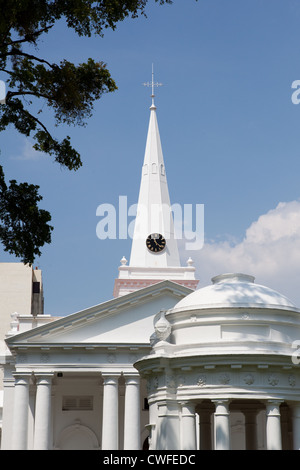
(154, 208)
(154, 252)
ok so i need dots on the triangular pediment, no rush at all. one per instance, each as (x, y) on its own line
(124, 320)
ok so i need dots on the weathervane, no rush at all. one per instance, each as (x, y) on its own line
(152, 84)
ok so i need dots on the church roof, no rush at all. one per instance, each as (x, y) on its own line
(126, 319)
(234, 290)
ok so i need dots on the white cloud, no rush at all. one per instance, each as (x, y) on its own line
(270, 251)
(27, 152)
(278, 224)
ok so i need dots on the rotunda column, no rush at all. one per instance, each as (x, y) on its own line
(273, 425)
(132, 414)
(188, 423)
(168, 425)
(221, 424)
(110, 416)
(296, 426)
(42, 419)
(20, 416)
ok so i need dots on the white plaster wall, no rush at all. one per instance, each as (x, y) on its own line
(8, 406)
(15, 292)
(15, 296)
(65, 419)
(88, 423)
(133, 324)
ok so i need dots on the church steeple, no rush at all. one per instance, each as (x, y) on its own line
(154, 243)
(154, 251)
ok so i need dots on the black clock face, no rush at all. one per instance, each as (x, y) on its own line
(155, 242)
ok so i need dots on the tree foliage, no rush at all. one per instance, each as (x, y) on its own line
(69, 90)
(23, 225)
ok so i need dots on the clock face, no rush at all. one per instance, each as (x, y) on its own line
(155, 242)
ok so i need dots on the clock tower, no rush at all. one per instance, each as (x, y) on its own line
(154, 252)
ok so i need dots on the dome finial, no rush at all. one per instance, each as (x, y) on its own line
(232, 277)
(152, 84)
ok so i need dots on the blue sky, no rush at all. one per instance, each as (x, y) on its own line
(230, 136)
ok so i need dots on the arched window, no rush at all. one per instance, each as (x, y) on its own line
(77, 437)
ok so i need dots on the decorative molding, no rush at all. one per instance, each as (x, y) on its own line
(224, 378)
(245, 316)
(170, 381)
(201, 381)
(162, 326)
(180, 380)
(292, 380)
(152, 384)
(249, 379)
(111, 358)
(273, 380)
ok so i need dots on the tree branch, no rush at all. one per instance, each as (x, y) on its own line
(38, 122)
(7, 71)
(29, 37)
(6, 34)
(10, 94)
(15, 51)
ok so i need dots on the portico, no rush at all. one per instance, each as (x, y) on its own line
(197, 424)
(119, 396)
(71, 383)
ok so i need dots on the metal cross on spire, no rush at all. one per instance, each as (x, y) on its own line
(152, 84)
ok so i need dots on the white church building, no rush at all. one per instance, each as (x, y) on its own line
(162, 365)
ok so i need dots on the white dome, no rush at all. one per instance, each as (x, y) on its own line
(234, 290)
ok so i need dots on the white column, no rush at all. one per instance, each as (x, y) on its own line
(188, 426)
(42, 419)
(110, 416)
(221, 425)
(20, 416)
(296, 426)
(132, 414)
(168, 426)
(273, 425)
(152, 426)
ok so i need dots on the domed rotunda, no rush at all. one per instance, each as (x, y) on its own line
(223, 372)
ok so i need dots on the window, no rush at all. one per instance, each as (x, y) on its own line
(77, 403)
(146, 404)
(35, 287)
(154, 168)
